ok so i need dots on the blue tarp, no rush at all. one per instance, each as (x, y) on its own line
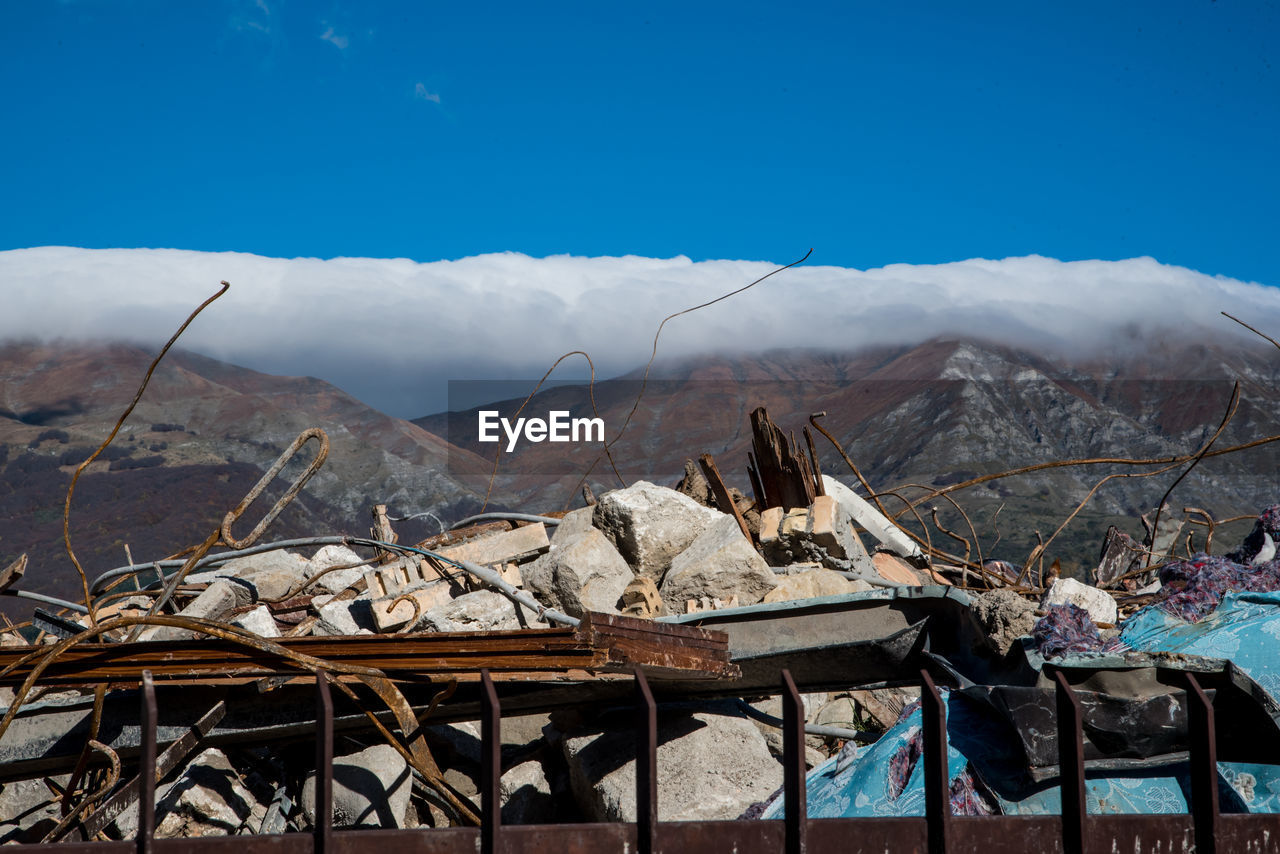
(868, 784)
(887, 779)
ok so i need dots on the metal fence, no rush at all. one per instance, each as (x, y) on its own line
(1204, 831)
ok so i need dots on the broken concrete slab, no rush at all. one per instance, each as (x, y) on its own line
(812, 583)
(872, 520)
(710, 766)
(207, 799)
(580, 574)
(339, 579)
(345, 617)
(526, 795)
(649, 525)
(501, 548)
(479, 611)
(370, 789)
(215, 602)
(387, 619)
(28, 810)
(720, 563)
(572, 524)
(259, 621)
(1099, 603)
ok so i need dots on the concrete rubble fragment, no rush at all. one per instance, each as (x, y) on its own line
(1067, 591)
(650, 525)
(711, 765)
(720, 562)
(370, 789)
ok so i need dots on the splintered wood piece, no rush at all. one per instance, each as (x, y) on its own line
(381, 530)
(723, 500)
(784, 474)
(13, 572)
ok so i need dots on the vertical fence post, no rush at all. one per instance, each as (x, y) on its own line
(490, 765)
(1204, 766)
(1070, 765)
(323, 830)
(147, 769)
(646, 765)
(795, 803)
(937, 788)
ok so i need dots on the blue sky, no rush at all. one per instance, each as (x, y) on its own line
(876, 133)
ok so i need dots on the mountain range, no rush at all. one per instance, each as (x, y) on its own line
(932, 415)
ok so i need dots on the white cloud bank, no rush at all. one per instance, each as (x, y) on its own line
(392, 331)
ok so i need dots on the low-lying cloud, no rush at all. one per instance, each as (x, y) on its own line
(394, 331)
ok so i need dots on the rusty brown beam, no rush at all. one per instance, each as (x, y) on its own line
(603, 644)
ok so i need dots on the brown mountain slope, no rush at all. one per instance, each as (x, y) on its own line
(198, 440)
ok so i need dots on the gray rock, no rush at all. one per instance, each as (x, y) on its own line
(207, 799)
(574, 524)
(649, 525)
(526, 795)
(370, 789)
(720, 563)
(28, 810)
(479, 611)
(580, 573)
(215, 602)
(340, 579)
(710, 766)
(272, 575)
(259, 621)
(348, 617)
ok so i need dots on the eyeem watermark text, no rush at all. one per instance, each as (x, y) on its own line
(556, 427)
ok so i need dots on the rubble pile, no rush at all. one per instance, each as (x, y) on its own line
(807, 576)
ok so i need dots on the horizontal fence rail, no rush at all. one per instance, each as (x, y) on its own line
(1204, 830)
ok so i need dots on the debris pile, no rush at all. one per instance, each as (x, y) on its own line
(705, 592)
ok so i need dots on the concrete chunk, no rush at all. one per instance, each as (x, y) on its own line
(573, 525)
(820, 532)
(259, 621)
(339, 579)
(649, 525)
(1099, 604)
(710, 766)
(582, 573)
(872, 520)
(813, 583)
(501, 547)
(721, 564)
(387, 619)
(370, 789)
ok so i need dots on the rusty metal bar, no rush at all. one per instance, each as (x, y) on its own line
(490, 765)
(796, 806)
(1204, 766)
(1070, 765)
(646, 765)
(314, 466)
(147, 768)
(323, 830)
(937, 789)
(603, 643)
